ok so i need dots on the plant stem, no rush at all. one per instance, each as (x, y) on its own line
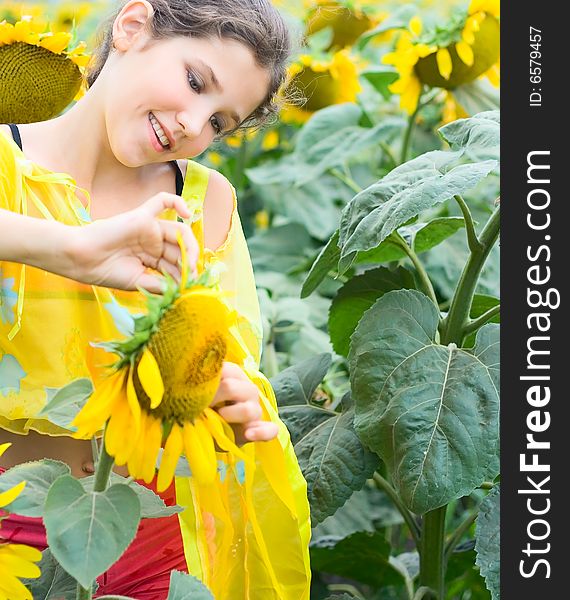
(422, 274)
(346, 180)
(459, 533)
(389, 153)
(411, 123)
(383, 485)
(472, 239)
(455, 322)
(432, 552)
(271, 366)
(475, 324)
(103, 468)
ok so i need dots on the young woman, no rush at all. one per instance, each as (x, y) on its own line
(82, 210)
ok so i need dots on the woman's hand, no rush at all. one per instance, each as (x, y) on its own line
(237, 401)
(116, 252)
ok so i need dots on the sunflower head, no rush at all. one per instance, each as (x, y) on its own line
(40, 73)
(347, 20)
(164, 381)
(453, 54)
(323, 81)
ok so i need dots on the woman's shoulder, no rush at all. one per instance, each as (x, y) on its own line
(219, 206)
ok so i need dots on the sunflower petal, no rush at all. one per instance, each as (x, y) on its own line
(4, 447)
(465, 53)
(153, 439)
(415, 25)
(150, 378)
(170, 456)
(26, 552)
(133, 401)
(18, 566)
(224, 439)
(55, 42)
(10, 495)
(12, 587)
(444, 63)
(203, 467)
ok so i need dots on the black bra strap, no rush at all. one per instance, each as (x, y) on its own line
(179, 178)
(16, 134)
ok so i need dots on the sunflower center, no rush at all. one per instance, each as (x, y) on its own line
(189, 347)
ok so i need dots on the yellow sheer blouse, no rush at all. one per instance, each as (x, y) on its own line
(250, 550)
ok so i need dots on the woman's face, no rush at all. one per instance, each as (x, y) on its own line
(184, 90)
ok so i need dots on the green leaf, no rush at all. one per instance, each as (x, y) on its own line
(282, 171)
(39, 476)
(357, 296)
(54, 581)
(409, 189)
(334, 462)
(64, 403)
(152, 505)
(87, 532)
(482, 129)
(398, 19)
(326, 261)
(481, 304)
(487, 546)
(325, 123)
(187, 587)
(335, 149)
(363, 556)
(429, 411)
(381, 76)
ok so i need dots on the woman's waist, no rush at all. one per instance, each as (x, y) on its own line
(34, 446)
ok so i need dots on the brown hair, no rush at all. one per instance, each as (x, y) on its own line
(255, 23)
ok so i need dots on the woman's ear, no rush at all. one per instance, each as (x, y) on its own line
(131, 23)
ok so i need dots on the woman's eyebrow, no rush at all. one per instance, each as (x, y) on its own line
(215, 82)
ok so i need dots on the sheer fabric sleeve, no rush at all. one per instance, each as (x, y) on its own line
(248, 536)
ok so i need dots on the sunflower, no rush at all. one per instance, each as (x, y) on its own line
(16, 560)
(324, 80)
(39, 73)
(347, 19)
(163, 383)
(466, 48)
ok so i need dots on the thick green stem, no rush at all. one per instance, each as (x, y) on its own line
(424, 592)
(459, 533)
(472, 239)
(383, 485)
(83, 594)
(453, 329)
(422, 274)
(432, 566)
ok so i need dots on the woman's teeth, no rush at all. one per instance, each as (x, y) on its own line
(159, 132)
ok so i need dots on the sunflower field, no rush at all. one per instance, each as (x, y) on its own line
(371, 210)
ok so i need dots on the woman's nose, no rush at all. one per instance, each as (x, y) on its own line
(193, 123)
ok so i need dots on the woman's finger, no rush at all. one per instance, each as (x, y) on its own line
(170, 230)
(165, 267)
(241, 412)
(261, 431)
(164, 201)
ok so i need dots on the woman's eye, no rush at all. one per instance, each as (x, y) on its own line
(193, 82)
(216, 125)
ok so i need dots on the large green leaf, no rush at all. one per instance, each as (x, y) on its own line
(54, 581)
(343, 144)
(363, 556)
(64, 403)
(421, 237)
(294, 388)
(482, 129)
(187, 587)
(429, 411)
(326, 261)
(38, 475)
(334, 463)
(324, 123)
(152, 505)
(488, 544)
(411, 188)
(381, 76)
(357, 296)
(87, 532)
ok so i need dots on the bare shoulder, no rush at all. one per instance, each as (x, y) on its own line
(218, 210)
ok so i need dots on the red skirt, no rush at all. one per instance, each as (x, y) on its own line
(142, 572)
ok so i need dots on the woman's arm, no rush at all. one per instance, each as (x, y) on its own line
(114, 252)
